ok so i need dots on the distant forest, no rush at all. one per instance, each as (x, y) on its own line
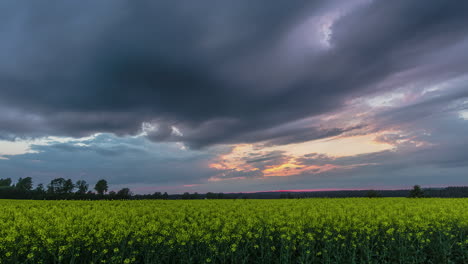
(66, 189)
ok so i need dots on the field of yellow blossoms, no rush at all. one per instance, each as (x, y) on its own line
(351, 230)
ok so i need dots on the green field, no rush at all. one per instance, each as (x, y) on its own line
(351, 230)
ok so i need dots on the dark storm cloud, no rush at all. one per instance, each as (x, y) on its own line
(113, 150)
(215, 69)
(76, 124)
(308, 134)
(226, 132)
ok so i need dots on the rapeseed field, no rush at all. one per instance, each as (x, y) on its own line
(350, 230)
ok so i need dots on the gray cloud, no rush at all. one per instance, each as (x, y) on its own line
(269, 158)
(220, 71)
(122, 161)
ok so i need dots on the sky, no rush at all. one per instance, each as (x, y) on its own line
(235, 96)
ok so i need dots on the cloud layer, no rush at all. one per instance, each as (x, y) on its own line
(221, 72)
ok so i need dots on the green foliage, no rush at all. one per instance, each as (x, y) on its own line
(210, 195)
(124, 193)
(24, 184)
(352, 230)
(186, 196)
(58, 186)
(416, 192)
(101, 187)
(55, 185)
(5, 182)
(82, 186)
(68, 186)
(40, 189)
(373, 194)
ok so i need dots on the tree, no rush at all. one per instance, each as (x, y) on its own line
(124, 193)
(56, 186)
(25, 184)
(101, 187)
(186, 196)
(372, 194)
(416, 192)
(5, 182)
(112, 195)
(40, 188)
(68, 186)
(82, 186)
(165, 196)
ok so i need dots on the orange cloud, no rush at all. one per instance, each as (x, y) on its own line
(291, 169)
(257, 160)
(234, 159)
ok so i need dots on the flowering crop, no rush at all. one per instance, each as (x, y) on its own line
(351, 230)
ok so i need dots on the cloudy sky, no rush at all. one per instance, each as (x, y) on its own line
(235, 96)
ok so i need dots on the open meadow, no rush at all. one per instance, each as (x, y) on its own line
(351, 230)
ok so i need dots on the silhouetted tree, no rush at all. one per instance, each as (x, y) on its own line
(372, 194)
(5, 182)
(112, 195)
(157, 195)
(38, 193)
(101, 187)
(56, 186)
(124, 193)
(416, 192)
(210, 195)
(40, 189)
(186, 196)
(24, 184)
(82, 186)
(68, 186)
(458, 191)
(165, 196)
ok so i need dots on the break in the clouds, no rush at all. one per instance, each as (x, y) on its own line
(314, 91)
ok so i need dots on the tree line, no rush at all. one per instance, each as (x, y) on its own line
(416, 192)
(61, 188)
